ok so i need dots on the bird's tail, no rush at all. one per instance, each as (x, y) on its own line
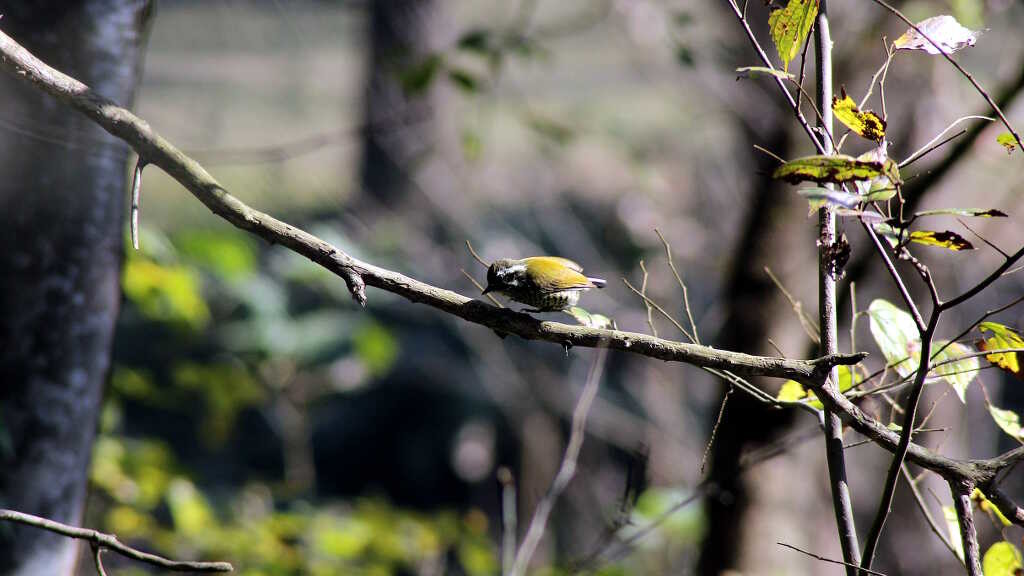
(597, 282)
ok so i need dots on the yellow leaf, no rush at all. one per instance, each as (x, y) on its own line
(864, 123)
(837, 169)
(1002, 338)
(790, 27)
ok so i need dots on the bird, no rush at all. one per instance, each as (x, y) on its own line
(547, 283)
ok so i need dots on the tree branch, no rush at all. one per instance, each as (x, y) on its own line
(357, 274)
(962, 502)
(101, 541)
(828, 321)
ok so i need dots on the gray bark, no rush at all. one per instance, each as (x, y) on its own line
(61, 207)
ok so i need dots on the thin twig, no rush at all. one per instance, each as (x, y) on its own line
(928, 147)
(566, 470)
(135, 207)
(123, 124)
(110, 542)
(476, 256)
(656, 306)
(781, 83)
(714, 429)
(643, 295)
(682, 286)
(481, 288)
(965, 73)
(829, 560)
(808, 323)
(982, 238)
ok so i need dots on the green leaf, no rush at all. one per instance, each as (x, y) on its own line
(943, 30)
(475, 40)
(1002, 559)
(463, 80)
(863, 123)
(885, 186)
(165, 293)
(376, 347)
(836, 169)
(417, 78)
(973, 212)
(551, 129)
(896, 335)
(790, 27)
(818, 196)
(1003, 337)
(230, 255)
(755, 71)
(684, 56)
(986, 506)
(946, 239)
(590, 320)
(472, 145)
(1008, 421)
(791, 391)
(953, 527)
(1006, 140)
(959, 373)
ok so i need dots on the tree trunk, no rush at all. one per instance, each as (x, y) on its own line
(63, 199)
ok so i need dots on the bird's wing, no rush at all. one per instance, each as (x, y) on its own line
(563, 261)
(551, 274)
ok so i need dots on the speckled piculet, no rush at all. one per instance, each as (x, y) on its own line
(547, 283)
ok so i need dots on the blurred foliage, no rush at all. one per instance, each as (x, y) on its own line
(148, 498)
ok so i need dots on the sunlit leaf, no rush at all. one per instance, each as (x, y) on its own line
(986, 506)
(973, 212)
(958, 373)
(590, 320)
(165, 293)
(882, 187)
(863, 122)
(823, 169)
(947, 239)
(1008, 421)
(1002, 559)
(190, 512)
(376, 347)
(790, 27)
(943, 30)
(226, 388)
(1003, 337)
(229, 254)
(791, 391)
(953, 528)
(818, 196)
(756, 71)
(848, 377)
(1006, 140)
(896, 335)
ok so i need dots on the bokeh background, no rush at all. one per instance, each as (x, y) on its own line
(255, 414)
